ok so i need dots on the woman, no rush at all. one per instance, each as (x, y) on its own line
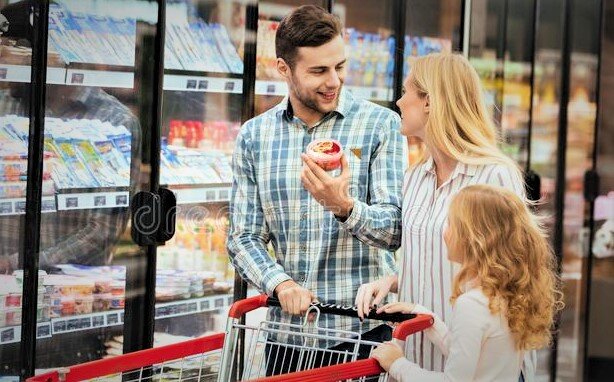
(443, 107)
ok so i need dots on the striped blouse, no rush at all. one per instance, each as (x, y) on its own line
(426, 274)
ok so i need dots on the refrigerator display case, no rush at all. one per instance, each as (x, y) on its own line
(99, 125)
(203, 98)
(500, 49)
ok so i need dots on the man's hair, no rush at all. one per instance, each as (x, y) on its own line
(308, 25)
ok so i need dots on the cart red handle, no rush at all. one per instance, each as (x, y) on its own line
(414, 325)
(239, 308)
(363, 368)
(133, 361)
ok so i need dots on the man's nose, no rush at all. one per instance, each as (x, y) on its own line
(333, 80)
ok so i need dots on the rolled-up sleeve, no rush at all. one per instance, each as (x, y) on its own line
(378, 222)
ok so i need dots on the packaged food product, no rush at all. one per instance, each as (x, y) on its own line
(84, 304)
(102, 302)
(102, 286)
(118, 288)
(42, 313)
(117, 301)
(68, 306)
(12, 316)
(326, 153)
(11, 300)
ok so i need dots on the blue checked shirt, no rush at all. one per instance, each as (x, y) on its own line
(269, 204)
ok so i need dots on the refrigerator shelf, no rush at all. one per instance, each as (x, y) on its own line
(96, 320)
(71, 76)
(184, 80)
(85, 200)
(12, 334)
(21, 73)
(278, 88)
(17, 206)
(202, 194)
(92, 200)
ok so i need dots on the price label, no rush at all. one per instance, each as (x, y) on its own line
(77, 78)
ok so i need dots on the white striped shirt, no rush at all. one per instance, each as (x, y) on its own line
(426, 274)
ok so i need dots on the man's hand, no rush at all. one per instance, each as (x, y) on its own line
(294, 299)
(331, 192)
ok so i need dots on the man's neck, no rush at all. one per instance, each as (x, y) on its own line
(305, 114)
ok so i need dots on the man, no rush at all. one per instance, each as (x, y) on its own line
(331, 231)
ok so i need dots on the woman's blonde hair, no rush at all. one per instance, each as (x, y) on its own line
(505, 250)
(458, 124)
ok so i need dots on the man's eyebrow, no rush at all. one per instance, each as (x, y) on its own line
(326, 67)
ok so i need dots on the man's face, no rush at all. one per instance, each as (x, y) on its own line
(318, 75)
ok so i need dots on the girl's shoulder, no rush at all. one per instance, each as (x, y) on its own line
(472, 299)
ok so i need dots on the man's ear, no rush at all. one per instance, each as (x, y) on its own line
(283, 68)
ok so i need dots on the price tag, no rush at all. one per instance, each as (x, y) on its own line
(191, 84)
(100, 201)
(77, 78)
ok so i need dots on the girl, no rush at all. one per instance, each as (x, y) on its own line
(442, 106)
(504, 296)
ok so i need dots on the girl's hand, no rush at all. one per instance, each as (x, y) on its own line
(397, 307)
(386, 354)
(371, 294)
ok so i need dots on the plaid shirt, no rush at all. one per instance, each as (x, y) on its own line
(330, 257)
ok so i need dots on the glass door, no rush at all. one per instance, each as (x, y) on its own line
(15, 68)
(96, 157)
(203, 99)
(600, 351)
(370, 48)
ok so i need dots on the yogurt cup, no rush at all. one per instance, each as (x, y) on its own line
(326, 153)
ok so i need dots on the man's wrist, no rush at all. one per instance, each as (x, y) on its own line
(284, 285)
(347, 208)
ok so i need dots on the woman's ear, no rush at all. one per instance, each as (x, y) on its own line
(427, 104)
(283, 68)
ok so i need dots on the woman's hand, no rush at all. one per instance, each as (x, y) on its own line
(386, 354)
(371, 294)
(397, 307)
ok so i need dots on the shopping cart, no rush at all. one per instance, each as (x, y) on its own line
(247, 352)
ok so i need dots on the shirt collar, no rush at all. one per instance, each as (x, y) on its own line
(346, 100)
(461, 168)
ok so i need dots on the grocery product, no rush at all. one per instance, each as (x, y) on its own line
(200, 46)
(94, 39)
(326, 153)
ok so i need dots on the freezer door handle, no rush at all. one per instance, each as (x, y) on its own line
(153, 217)
(145, 210)
(168, 204)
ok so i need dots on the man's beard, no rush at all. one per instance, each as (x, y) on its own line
(311, 102)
